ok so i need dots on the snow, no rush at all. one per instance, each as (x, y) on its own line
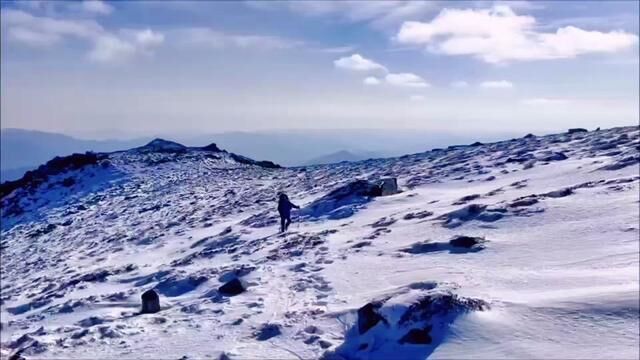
(558, 270)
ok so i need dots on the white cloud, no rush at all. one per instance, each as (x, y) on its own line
(97, 7)
(499, 35)
(148, 38)
(130, 43)
(40, 31)
(459, 84)
(218, 39)
(406, 79)
(356, 62)
(110, 49)
(417, 98)
(371, 80)
(497, 84)
(544, 101)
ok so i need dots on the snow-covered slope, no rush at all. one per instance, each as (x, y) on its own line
(526, 248)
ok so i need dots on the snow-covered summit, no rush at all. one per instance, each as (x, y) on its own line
(521, 248)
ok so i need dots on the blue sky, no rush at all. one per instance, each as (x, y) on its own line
(93, 67)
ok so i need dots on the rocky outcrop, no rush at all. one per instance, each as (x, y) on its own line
(55, 166)
(162, 146)
(576, 130)
(417, 315)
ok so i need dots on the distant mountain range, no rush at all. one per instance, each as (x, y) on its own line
(341, 156)
(23, 150)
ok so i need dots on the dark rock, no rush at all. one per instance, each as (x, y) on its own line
(559, 193)
(524, 202)
(529, 136)
(150, 302)
(418, 215)
(383, 222)
(576, 130)
(465, 241)
(267, 331)
(211, 147)
(422, 247)
(91, 321)
(68, 182)
(477, 143)
(232, 288)
(519, 159)
(361, 244)
(417, 336)
(439, 303)
(466, 199)
(555, 156)
(311, 339)
(388, 186)
(245, 160)
(368, 317)
(529, 164)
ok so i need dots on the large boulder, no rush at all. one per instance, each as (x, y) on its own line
(232, 288)
(466, 241)
(150, 302)
(552, 156)
(267, 331)
(388, 186)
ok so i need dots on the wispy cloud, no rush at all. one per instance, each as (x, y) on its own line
(499, 35)
(337, 49)
(106, 46)
(406, 80)
(497, 84)
(219, 39)
(544, 101)
(379, 14)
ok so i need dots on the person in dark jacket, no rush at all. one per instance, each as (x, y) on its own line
(284, 208)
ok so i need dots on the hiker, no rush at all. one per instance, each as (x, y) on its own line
(284, 208)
